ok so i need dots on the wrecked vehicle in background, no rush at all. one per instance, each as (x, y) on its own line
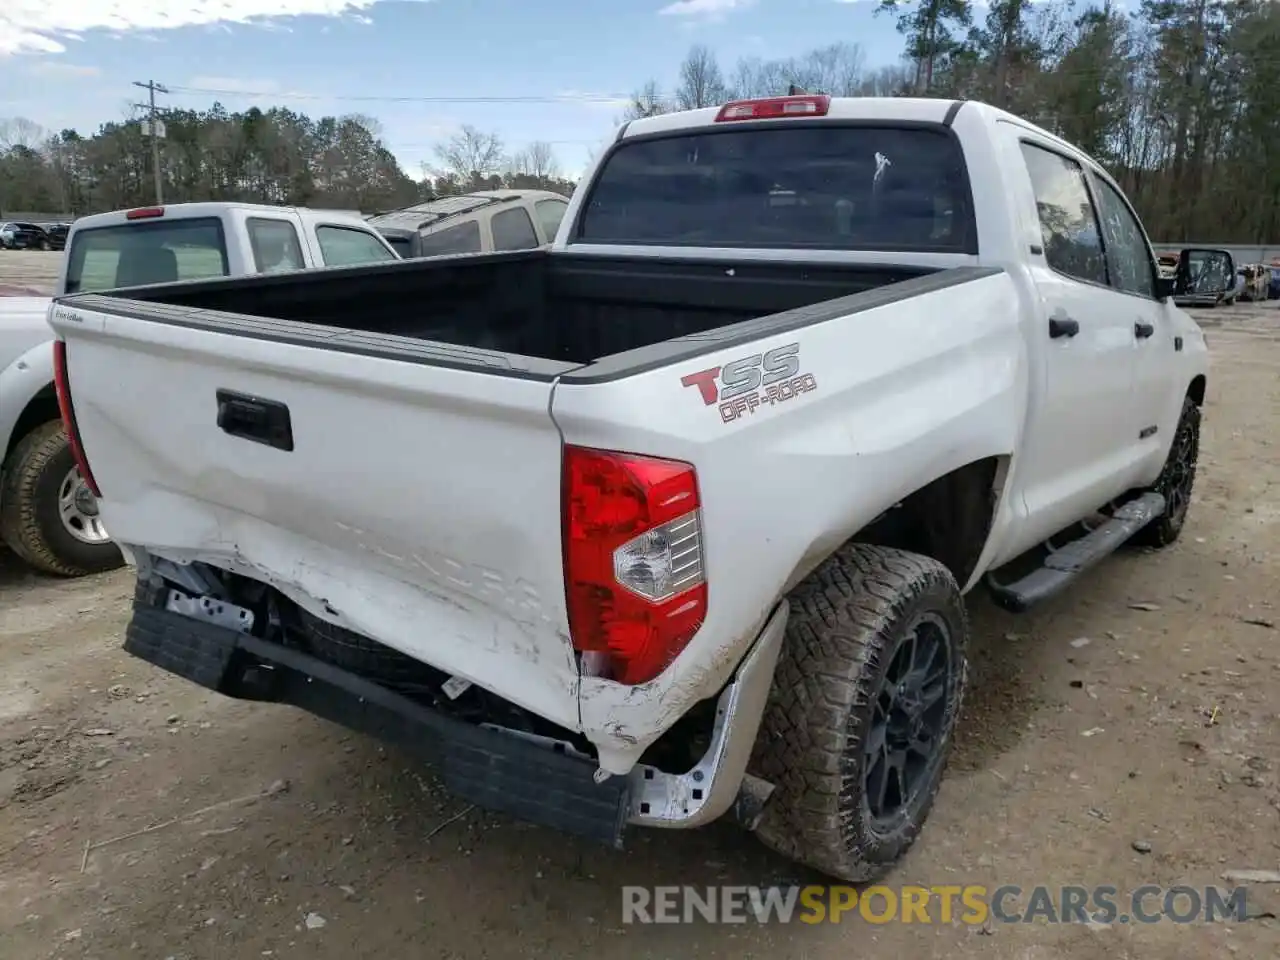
(1257, 282)
(484, 221)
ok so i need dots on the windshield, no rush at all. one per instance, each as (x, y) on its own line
(806, 187)
(135, 253)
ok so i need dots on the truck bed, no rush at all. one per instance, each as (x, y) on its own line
(565, 308)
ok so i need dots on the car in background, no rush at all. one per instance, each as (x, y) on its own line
(484, 221)
(18, 235)
(1242, 282)
(57, 234)
(1257, 282)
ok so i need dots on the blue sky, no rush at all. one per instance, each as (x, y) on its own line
(70, 63)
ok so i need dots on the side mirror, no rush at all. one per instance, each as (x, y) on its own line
(1205, 273)
(1166, 287)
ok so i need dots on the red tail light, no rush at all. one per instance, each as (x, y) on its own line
(144, 213)
(634, 578)
(63, 388)
(809, 105)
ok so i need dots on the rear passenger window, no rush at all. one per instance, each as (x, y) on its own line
(275, 245)
(550, 213)
(1068, 224)
(464, 238)
(141, 252)
(513, 230)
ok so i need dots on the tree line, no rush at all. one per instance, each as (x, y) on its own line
(274, 156)
(1179, 99)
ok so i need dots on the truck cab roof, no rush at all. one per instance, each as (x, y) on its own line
(210, 208)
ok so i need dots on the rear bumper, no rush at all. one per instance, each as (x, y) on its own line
(527, 778)
(490, 768)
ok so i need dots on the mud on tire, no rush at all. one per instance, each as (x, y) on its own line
(852, 624)
(30, 523)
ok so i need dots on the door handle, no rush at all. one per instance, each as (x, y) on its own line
(1063, 327)
(1143, 330)
(253, 418)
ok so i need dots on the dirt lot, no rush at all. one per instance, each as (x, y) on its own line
(1103, 744)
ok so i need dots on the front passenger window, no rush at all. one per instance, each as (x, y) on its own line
(1072, 242)
(1130, 255)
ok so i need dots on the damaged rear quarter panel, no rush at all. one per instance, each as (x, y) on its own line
(892, 398)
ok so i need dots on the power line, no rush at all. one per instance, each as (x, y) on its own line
(291, 95)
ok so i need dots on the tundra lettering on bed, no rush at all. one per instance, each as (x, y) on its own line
(737, 385)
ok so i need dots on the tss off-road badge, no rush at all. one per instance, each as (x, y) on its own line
(745, 385)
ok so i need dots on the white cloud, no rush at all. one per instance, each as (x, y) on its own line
(702, 8)
(59, 69)
(42, 26)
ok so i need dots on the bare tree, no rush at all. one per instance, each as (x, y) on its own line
(891, 81)
(753, 77)
(648, 101)
(537, 160)
(701, 83)
(836, 69)
(21, 132)
(471, 155)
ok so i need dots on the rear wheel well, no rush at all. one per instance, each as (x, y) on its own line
(948, 519)
(1196, 390)
(39, 410)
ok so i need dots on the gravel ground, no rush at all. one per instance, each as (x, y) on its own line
(1126, 733)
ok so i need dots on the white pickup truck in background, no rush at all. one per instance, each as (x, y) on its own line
(48, 516)
(675, 518)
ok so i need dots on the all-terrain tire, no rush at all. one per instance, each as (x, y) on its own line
(29, 520)
(1176, 481)
(847, 621)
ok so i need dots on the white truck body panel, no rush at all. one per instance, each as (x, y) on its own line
(921, 394)
(455, 561)
(26, 358)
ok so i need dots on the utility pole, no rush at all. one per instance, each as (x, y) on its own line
(152, 89)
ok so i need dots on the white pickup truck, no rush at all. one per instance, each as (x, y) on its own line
(48, 516)
(673, 518)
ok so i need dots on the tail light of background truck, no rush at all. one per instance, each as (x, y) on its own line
(62, 385)
(634, 580)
